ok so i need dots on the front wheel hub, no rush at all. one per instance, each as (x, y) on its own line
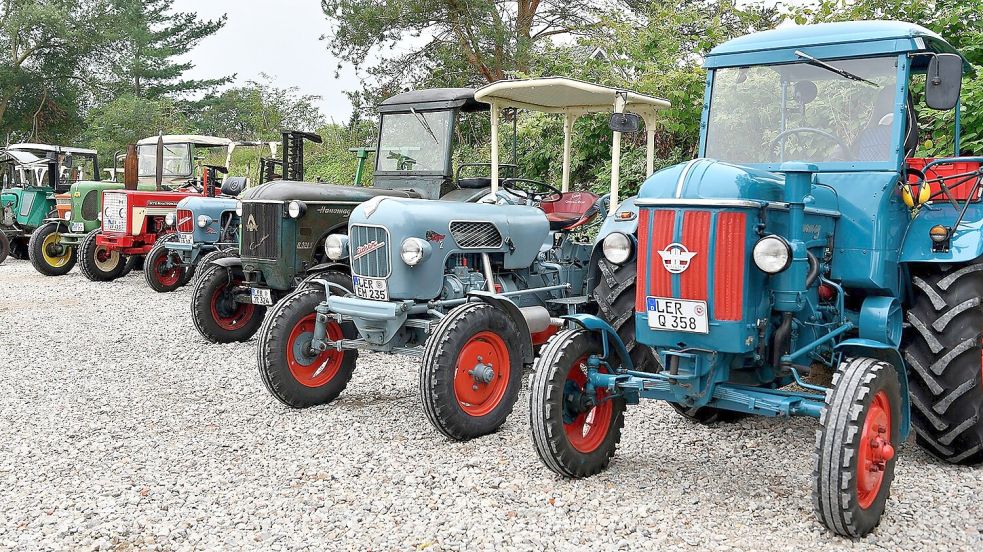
(482, 373)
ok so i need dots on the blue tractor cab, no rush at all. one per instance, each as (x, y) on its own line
(807, 263)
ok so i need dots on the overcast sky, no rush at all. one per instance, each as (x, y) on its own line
(276, 37)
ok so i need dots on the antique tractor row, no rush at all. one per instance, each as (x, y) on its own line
(807, 263)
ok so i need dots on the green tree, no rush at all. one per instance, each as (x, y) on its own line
(259, 110)
(127, 119)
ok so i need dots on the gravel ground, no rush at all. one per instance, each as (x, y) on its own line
(121, 428)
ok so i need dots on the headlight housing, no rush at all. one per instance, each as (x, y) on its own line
(336, 247)
(238, 208)
(772, 254)
(413, 251)
(170, 219)
(68, 214)
(617, 247)
(296, 209)
(204, 220)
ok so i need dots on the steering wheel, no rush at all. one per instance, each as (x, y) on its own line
(535, 190)
(788, 132)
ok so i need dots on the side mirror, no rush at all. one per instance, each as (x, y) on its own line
(805, 92)
(69, 161)
(625, 122)
(943, 81)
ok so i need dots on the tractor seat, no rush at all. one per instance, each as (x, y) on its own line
(474, 183)
(568, 210)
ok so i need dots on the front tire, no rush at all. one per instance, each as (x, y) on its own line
(471, 371)
(216, 314)
(295, 375)
(574, 433)
(855, 448)
(41, 248)
(159, 276)
(98, 263)
(203, 261)
(943, 352)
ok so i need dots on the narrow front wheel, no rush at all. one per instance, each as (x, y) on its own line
(49, 255)
(216, 313)
(575, 429)
(163, 270)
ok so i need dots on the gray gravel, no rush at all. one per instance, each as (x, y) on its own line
(120, 428)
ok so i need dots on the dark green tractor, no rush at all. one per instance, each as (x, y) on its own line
(285, 222)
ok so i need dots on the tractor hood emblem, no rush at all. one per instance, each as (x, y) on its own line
(251, 224)
(367, 248)
(676, 258)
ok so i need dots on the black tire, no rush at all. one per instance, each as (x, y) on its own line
(284, 362)
(91, 263)
(459, 403)
(942, 348)
(163, 282)
(4, 247)
(40, 261)
(230, 321)
(204, 260)
(550, 402)
(614, 296)
(849, 497)
(133, 262)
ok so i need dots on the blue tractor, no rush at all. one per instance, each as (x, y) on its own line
(806, 264)
(470, 288)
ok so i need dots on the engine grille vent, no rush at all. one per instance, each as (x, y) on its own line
(370, 251)
(261, 230)
(114, 213)
(475, 235)
(185, 221)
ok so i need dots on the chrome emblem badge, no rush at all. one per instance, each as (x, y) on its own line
(676, 258)
(251, 224)
(367, 248)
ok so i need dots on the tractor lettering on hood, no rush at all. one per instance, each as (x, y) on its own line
(367, 248)
(251, 224)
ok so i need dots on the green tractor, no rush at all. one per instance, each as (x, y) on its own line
(30, 177)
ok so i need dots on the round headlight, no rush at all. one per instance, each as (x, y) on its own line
(296, 209)
(772, 254)
(169, 219)
(203, 221)
(617, 247)
(68, 214)
(238, 208)
(336, 247)
(413, 251)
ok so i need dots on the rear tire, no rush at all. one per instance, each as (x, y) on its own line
(571, 437)
(42, 239)
(216, 314)
(159, 279)
(292, 373)
(459, 402)
(97, 263)
(945, 361)
(855, 457)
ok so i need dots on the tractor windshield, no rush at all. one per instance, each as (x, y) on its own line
(177, 160)
(418, 141)
(814, 111)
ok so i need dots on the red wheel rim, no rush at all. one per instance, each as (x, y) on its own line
(312, 370)
(481, 376)
(169, 277)
(587, 431)
(226, 312)
(876, 450)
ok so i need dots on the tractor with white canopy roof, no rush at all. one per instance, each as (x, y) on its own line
(472, 288)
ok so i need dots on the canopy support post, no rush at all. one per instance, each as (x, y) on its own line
(619, 107)
(568, 120)
(494, 149)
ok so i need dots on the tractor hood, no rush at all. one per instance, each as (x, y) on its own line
(287, 190)
(709, 179)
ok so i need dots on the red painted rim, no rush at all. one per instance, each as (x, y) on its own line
(589, 429)
(875, 450)
(477, 398)
(226, 312)
(312, 371)
(103, 254)
(167, 278)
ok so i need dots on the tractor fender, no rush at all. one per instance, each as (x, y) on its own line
(881, 351)
(228, 262)
(609, 337)
(967, 240)
(324, 267)
(505, 305)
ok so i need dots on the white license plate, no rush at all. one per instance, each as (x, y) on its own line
(260, 296)
(678, 315)
(371, 288)
(186, 238)
(78, 227)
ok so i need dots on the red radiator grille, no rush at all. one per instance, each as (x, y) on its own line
(660, 281)
(696, 238)
(728, 284)
(185, 221)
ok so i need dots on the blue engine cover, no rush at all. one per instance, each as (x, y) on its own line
(212, 207)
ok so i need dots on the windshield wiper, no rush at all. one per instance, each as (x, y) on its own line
(423, 121)
(841, 72)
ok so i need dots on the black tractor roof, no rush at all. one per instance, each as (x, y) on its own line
(286, 190)
(433, 98)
